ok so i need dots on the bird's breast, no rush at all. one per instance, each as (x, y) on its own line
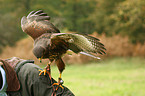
(55, 51)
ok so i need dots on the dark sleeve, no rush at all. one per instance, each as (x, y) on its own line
(34, 85)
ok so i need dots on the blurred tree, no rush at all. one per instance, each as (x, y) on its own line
(101, 15)
(10, 22)
(77, 13)
(129, 19)
(27, 4)
(124, 17)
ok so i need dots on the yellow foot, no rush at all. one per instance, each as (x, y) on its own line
(46, 70)
(43, 71)
(59, 85)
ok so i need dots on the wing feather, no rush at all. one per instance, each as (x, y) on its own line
(81, 43)
(37, 23)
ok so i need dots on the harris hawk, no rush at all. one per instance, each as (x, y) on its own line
(50, 43)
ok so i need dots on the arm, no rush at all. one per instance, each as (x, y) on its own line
(34, 85)
(31, 84)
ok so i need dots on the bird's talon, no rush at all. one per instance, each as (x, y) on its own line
(55, 84)
(43, 71)
(61, 86)
(58, 85)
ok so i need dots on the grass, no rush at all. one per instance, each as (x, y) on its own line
(114, 77)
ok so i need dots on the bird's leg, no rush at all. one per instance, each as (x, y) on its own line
(60, 81)
(46, 69)
(61, 67)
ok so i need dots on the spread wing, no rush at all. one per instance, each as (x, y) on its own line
(37, 23)
(83, 44)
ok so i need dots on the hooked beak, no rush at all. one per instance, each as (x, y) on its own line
(40, 59)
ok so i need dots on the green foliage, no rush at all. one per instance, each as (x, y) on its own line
(10, 30)
(129, 19)
(76, 15)
(124, 17)
(100, 16)
(121, 17)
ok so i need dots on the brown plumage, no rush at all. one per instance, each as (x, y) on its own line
(50, 43)
(44, 47)
(37, 23)
(54, 45)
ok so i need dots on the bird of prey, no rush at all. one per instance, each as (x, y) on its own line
(50, 43)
